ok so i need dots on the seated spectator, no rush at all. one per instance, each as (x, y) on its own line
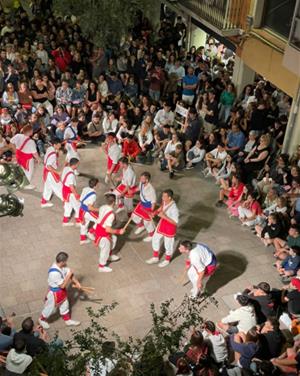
(183, 368)
(212, 142)
(216, 342)
(241, 319)
(262, 299)
(242, 154)
(92, 95)
(115, 86)
(289, 361)
(195, 155)
(59, 116)
(95, 130)
(273, 229)
(35, 339)
(164, 116)
(17, 361)
(250, 211)
(289, 266)
(176, 161)
(235, 140)
(78, 96)
(10, 98)
(7, 332)
(110, 123)
(130, 148)
(102, 88)
(245, 347)
(25, 97)
(215, 159)
(282, 246)
(291, 296)
(224, 174)
(124, 129)
(271, 339)
(5, 118)
(40, 95)
(234, 194)
(145, 140)
(63, 96)
(192, 127)
(60, 131)
(171, 145)
(131, 89)
(161, 136)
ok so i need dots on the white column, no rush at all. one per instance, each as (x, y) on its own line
(292, 134)
(242, 75)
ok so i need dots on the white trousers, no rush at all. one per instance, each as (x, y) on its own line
(29, 173)
(193, 277)
(50, 187)
(246, 213)
(188, 99)
(149, 225)
(106, 246)
(168, 243)
(50, 308)
(72, 204)
(84, 226)
(47, 105)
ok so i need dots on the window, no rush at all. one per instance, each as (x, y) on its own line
(278, 16)
(295, 32)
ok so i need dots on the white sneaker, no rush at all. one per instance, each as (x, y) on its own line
(67, 224)
(152, 260)
(119, 210)
(91, 236)
(113, 258)
(163, 264)
(29, 186)
(72, 323)
(139, 230)
(44, 324)
(148, 239)
(47, 205)
(105, 269)
(86, 241)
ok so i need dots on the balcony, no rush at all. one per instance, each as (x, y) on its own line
(228, 17)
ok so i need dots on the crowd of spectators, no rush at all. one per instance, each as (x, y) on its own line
(178, 107)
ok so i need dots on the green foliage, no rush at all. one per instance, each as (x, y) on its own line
(145, 356)
(105, 22)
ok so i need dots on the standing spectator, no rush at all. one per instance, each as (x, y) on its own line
(211, 113)
(157, 80)
(192, 127)
(62, 58)
(226, 102)
(189, 84)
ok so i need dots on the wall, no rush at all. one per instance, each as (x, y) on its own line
(198, 36)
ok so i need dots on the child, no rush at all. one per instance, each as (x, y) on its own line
(176, 160)
(290, 265)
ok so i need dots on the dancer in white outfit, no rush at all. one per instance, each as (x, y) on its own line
(59, 276)
(201, 264)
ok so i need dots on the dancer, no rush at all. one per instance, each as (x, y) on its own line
(105, 235)
(69, 193)
(71, 139)
(59, 277)
(51, 177)
(142, 214)
(113, 153)
(166, 229)
(126, 190)
(88, 213)
(201, 264)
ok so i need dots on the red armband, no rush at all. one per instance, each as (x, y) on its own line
(118, 231)
(187, 263)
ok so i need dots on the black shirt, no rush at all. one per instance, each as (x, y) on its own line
(212, 106)
(294, 302)
(264, 307)
(34, 345)
(271, 344)
(192, 132)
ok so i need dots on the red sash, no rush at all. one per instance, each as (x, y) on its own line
(66, 191)
(166, 228)
(130, 193)
(59, 296)
(82, 213)
(23, 158)
(46, 171)
(100, 231)
(142, 212)
(110, 163)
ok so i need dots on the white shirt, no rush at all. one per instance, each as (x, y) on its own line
(42, 54)
(147, 193)
(114, 152)
(103, 88)
(103, 210)
(218, 345)
(146, 139)
(110, 126)
(162, 117)
(91, 199)
(29, 148)
(218, 155)
(172, 211)
(171, 147)
(69, 134)
(55, 279)
(179, 71)
(71, 179)
(198, 154)
(129, 177)
(200, 257)
(52, 160)
(244, 315)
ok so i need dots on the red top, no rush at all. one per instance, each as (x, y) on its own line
(130, 148)
(235, 192)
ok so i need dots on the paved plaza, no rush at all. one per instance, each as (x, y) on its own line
(29, 245)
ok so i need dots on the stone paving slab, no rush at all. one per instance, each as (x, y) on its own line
(29, 245)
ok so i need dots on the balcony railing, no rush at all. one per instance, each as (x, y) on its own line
(225, 15)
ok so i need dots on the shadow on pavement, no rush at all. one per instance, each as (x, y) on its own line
(231, 265)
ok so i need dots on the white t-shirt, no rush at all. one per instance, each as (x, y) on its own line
(172, 211)
(244, 315)
(218, 155)
(114, 152)
(91, 199)
(170, 148)
(56, 278)
(29, 148)
(71, 179)
(51, 160)
(129, 177)
(147, 193)
(200, 257)
(110, 126)
(162, 117)
(103, 210)
(70, 133)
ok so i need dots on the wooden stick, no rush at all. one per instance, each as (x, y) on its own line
(87, 289)
(127, 223)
